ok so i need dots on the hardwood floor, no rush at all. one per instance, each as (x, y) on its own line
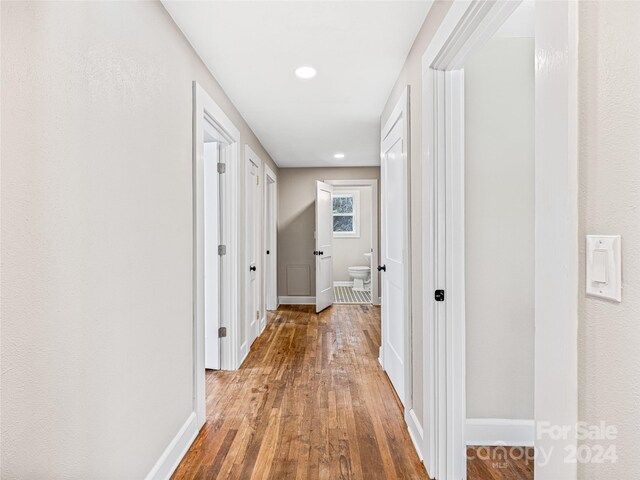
(310, 401)
(499, 463)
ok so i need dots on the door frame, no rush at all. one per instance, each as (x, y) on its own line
(205, 107)
(251, 157)
(272, 259)
(466, 27)
(401, 113)
(212, 259)
(375, 258)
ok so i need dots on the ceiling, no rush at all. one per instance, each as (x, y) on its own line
(357, 47)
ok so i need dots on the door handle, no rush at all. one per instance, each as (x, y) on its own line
(253, 268)
(315, 252)
(320, 253)
(382, 268)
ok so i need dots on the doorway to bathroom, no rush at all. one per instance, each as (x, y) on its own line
(355, 241)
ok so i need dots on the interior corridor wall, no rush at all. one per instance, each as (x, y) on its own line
(499, 87)
(97, 235)
(609, 189)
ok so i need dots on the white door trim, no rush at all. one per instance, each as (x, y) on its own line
(296, 300)
(205, 107)
(400, 113)
(375, 257)
(271, 301)
(500, 431)
(556, 242)
(465, 28)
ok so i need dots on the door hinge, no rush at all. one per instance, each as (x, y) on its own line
(439, 295)
(257, 179)
(222, 332)
(222, 249)
(222, 167)
(257, 314)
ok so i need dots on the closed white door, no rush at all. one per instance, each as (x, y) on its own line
(211, 258)
(395, 319)
(324, 246)
(271, 242)
(253, 235)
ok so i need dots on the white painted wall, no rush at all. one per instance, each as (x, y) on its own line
(349, 251)
(609, 332)
(97, 242)
(499, 229)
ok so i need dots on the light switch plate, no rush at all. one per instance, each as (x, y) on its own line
(604, 269)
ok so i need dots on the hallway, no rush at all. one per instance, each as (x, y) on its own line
(310, 401)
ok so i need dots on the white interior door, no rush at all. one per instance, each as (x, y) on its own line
(324, 246)
(271, 241)
(211, 258)
(253, 235)
(394, 211)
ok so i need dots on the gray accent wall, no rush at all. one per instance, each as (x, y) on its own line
(296, 216)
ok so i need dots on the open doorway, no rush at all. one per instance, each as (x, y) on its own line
(355, 239)
(215, 145)
(499, 211)
(215, 204)
(449, 259)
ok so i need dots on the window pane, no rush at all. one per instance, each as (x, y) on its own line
(342, 204)
(343, 224)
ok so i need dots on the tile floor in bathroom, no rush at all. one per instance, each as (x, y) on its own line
(349, 295)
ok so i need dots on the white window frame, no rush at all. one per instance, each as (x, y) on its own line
(355, 194)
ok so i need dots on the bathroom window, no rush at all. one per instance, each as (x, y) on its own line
(346, 214)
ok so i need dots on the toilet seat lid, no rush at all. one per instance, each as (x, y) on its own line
(360, 269)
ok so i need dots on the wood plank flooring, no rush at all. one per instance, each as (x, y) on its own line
(310, 402)
(499, 463)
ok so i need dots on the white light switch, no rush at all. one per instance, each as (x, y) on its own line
(599, 271)
(604, 275)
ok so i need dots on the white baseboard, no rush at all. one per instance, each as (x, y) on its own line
(343, 284)
(415, 432)
(173, 454)
(297, 300)
(500, 431)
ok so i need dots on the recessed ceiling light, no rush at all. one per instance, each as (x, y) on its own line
(339, 155)
(305, 72)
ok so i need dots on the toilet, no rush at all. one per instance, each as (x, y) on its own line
(361, 276)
